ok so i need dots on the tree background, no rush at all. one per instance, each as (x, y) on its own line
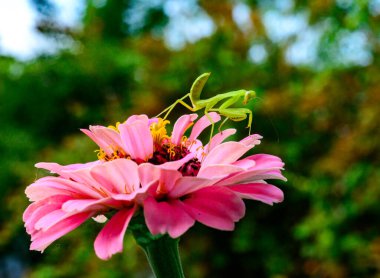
(315, 66)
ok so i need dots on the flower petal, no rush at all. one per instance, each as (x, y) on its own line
(98, 140)
(203, 123)
(167, 180)
(118, 176)
(225, 153)
(44, 238)
(81, 205)
(245, 163)
(166, 217)
(41, 208)
(180, 126)
(50, 219)
(266, 161)
(137, 139)
(50, 186)
(148, 173)
(187, 185)
(265, 193)
(252, 140)
(106, 138)
(63, 169)
(218, 171)
(174, 165)
(54, 200)
(250, 176)
(142, 118)
(215, 207)
(110, 239)
(219, 138)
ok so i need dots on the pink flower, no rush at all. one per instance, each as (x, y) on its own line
(210, 187)
(175, 180)
(61, 204)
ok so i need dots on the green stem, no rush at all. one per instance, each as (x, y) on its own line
(163, 257)
(161, 251)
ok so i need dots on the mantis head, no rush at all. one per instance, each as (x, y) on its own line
(248, 96)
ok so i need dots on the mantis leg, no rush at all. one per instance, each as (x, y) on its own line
(235, 114)
(171, 107)
(232, 100)
(238, 114)
(208, 108)
(222, 123)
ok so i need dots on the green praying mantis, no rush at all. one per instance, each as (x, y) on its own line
(226, 100)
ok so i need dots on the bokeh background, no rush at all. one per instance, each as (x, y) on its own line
(315, 66)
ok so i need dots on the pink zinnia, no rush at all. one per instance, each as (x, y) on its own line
(175, 180)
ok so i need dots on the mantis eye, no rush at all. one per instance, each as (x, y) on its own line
(248, 96)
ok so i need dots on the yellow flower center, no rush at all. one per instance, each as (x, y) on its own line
(158, 131)
(115, 127)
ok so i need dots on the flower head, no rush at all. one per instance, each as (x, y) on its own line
(174, 180)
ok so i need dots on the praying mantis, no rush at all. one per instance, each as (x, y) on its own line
(226, 100)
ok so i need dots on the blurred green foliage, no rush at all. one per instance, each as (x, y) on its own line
(320, 114)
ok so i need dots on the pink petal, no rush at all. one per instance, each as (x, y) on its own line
(266, 161)
(174, 165)
(167, 180)
(180, 126)
(57, 199)
(49, 186)
(203, 123)
(265, 193)
(84, 178)
(129, 198)
(137, 139)
(166, 217)
(81, 205)
(148, 173)
(50, 219)
(216, 207)
(118, 176)
(63, 169)
(152, 120)
(106, 138)
(166, 177)
(98, 140)
(252, 140)
(197, 148)
(245, 163)
(142, 118)
(39, 209)
(110, 239)
(219, 138)
(225, 153)
(250, 176)
(218, 171)
(44, 238)
(136, 196)
(37, 215)
(109, 135)
(187, 185)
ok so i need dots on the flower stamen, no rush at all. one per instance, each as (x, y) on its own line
(158, 131)
(115, 127)
(102, 155)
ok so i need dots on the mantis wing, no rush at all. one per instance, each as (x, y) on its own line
(196, 88)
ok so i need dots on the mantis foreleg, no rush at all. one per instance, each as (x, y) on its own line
(171, 107)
